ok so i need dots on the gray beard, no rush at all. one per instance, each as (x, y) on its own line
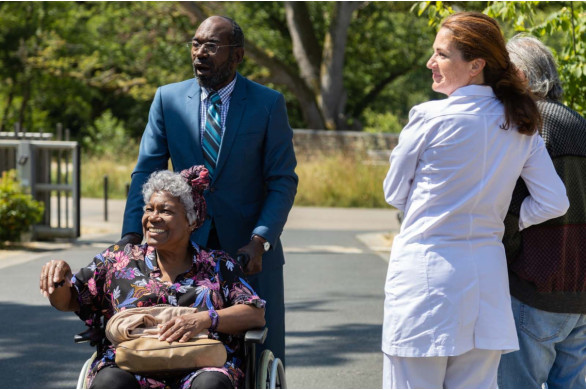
(220, 76)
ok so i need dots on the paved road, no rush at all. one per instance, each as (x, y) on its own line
(334, 293)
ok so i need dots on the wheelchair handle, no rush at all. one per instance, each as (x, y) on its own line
(93, 335)
(243, 259)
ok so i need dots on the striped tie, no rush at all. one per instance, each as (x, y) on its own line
(212, 136)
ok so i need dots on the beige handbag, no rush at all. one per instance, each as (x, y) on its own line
(147, 355)
(134, 334)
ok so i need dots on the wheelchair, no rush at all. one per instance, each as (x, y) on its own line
(267, 373)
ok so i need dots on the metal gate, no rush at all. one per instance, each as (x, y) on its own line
(51, 169)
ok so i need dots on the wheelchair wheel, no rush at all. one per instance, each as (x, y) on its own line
(270, 372)
(82, 379)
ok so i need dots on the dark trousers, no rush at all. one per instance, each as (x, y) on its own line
(116, 378)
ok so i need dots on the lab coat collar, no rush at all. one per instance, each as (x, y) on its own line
(474, 90)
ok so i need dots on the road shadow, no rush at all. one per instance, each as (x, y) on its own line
(37, 348)
(307, 306)
(335, 345)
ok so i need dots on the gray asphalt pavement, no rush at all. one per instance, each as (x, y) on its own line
(334, 276)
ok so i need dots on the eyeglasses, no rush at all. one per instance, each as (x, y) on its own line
(208, 47)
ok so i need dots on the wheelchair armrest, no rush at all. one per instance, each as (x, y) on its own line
(256, 336)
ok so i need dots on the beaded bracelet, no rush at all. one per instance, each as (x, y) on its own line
(214, 317)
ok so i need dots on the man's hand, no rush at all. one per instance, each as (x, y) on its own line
(254, 250)
(130, 238)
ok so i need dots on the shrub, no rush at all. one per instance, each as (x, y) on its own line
(108, 137)
(385, 122)
(18, 210)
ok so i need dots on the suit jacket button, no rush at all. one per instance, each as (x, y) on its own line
(212, 189)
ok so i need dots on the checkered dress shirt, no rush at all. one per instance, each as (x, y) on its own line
(225, 95)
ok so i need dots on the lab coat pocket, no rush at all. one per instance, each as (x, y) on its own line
(407, 304)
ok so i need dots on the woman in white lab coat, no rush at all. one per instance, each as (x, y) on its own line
(447, 316)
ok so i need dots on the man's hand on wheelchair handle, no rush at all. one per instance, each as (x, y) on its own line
(130, 238)
(254, 250)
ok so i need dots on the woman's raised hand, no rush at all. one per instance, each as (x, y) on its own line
(55, 273)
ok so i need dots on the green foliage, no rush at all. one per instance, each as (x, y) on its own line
(18, 210)
(387, 48)
(436, 11)
(72, 62)
(108, 137)
(385, 122)
(68, 62)
(340, 181)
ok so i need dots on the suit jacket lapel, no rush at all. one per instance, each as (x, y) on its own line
(192, 106)
(235, 112)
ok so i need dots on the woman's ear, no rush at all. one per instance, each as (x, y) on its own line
(478, 65)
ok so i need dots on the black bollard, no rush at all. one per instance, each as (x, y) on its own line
(106, 198)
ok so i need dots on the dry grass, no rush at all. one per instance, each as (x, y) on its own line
(118, 170)
(325, 181)
(340, 181)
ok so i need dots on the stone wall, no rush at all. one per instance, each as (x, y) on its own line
(373, 146)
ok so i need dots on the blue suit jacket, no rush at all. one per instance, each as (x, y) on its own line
(255, 182)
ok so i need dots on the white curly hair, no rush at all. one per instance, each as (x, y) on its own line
(174, 184)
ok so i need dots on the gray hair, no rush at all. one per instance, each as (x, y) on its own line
(536, 61)
(174, 184)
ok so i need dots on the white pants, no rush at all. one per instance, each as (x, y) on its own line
(476, 369)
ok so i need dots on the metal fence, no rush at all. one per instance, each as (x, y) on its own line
(51, 170)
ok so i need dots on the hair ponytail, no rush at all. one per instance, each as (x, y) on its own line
(479, 36)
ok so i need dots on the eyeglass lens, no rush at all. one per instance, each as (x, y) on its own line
(208, 47)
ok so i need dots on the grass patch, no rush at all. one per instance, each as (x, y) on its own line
(118, 170)
(340, 181)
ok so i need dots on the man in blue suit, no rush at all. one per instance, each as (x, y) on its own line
(239, 129)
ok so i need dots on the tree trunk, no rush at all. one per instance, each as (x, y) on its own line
(26, 94)
(377, 89)
(7, 108)
(194, 11)
(284, 75)
(306, 49)
(333, 94)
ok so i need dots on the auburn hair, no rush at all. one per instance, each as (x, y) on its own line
(479, 36)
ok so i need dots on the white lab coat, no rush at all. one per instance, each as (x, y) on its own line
(453, 173)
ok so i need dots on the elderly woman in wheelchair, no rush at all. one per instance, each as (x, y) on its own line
(168, 269)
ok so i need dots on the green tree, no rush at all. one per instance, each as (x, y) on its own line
(335, 59)
(340, 65)
(69, 62)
